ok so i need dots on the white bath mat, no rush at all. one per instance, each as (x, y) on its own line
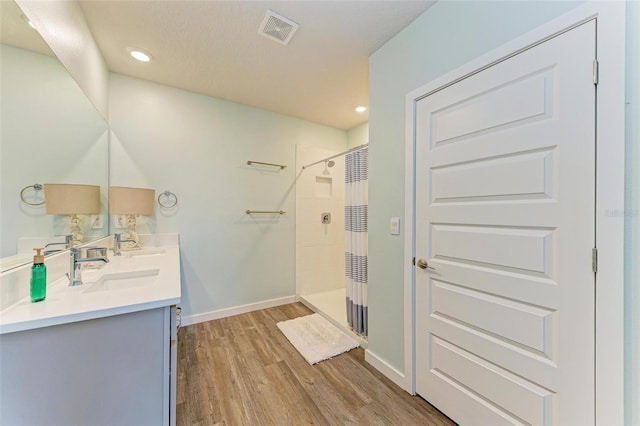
(316, 338)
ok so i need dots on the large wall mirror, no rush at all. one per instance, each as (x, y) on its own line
(50, 133)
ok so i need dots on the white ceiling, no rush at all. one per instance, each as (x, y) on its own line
(213, 47)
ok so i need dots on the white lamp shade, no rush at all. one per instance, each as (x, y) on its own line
(126, 200)
(69, 199)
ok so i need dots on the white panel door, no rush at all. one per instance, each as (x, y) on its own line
(505, 196)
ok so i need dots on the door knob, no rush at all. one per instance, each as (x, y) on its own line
(422, 264)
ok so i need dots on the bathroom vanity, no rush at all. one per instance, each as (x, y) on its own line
(103, 352)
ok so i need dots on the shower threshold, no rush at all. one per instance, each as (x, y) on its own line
(332, 305)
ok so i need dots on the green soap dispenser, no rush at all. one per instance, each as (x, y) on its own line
(38, 277)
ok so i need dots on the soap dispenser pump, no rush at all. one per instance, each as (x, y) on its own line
(38, 277)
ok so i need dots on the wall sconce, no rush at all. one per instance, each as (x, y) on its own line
(131, 202)
(72, 200)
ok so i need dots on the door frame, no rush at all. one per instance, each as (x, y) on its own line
(610, 101)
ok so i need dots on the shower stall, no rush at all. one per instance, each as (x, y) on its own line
(320, 234)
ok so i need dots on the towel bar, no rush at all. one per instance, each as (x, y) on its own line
(265, 212)
(250, 162)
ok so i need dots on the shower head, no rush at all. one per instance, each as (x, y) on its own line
(328, 163)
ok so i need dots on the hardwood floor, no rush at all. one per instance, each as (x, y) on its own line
(241, 370)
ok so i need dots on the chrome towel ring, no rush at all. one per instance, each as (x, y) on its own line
(36, 187)
(167, 199)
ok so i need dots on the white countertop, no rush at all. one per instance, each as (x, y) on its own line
(65, 304)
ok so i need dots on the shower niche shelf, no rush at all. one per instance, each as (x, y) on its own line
(323, 187)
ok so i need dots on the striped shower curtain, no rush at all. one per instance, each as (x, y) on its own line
(355, 219)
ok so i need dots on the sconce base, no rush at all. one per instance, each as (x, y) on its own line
(76, 233)
(131, 234)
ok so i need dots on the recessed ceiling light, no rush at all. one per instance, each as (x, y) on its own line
(361, 109)
(140, 55)
(28, 21)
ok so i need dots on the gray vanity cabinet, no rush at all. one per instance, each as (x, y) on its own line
(116, 370)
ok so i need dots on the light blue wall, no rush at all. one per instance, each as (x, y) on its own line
(632, 218)
(358, 135)
(49, 133)
(197, 147)
(445, 37)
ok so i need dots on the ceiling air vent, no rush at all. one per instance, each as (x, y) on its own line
(277, 27)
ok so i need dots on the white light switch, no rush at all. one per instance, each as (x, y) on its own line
(395, 226)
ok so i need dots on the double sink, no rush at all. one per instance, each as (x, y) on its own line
(137, 280)
(130, 270)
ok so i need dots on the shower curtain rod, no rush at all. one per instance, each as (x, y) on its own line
(336, 155)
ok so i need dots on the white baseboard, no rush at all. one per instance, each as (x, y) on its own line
(236, 310)
(390, 372)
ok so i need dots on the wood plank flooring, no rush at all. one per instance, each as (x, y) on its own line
(242, 370)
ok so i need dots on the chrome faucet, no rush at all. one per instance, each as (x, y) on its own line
(67, 244)
(75, 273)
(117, 239)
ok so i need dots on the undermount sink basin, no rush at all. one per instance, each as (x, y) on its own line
(123, 280)
(149, 251)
